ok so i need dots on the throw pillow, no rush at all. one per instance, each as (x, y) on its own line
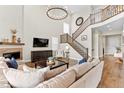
(83, 61)
(50, 58)
(7, 60)
(90, 59)
(29, 69)
(12, 63)
(21, 79)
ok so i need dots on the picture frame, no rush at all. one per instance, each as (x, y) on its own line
(84, 37)
(79, 21)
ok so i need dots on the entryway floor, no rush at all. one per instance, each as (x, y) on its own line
(113, 74)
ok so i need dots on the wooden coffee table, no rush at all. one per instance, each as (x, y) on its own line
(58, 63)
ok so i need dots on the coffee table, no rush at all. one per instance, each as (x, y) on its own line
(58, 63)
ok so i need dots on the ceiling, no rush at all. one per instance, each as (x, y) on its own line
(113, 26)
(77, 8)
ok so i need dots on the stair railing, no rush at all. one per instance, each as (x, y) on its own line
(65, 38)
(100, 16)
(104, 14)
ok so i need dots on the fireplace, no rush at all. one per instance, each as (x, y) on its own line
(41, 56)
(11, 52)
(15, 55)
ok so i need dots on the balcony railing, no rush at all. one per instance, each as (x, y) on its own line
(100, 16)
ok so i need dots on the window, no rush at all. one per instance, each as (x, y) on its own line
(66, 28)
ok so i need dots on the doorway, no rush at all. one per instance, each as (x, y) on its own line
(111, 43)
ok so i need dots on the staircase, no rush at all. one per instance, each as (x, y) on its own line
(65, 38)
(98, 17)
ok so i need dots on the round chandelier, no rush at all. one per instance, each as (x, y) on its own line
(57, 12)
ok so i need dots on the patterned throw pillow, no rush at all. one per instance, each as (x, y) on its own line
(12, 63)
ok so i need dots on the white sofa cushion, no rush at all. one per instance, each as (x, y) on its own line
(90, 59)
(81, 69)
(29, 69)
(3, 81)
(3, 65)
(63, 80)
(90, 79)
(2, 58)
(21, 79)
(52, 73)
(95, 62)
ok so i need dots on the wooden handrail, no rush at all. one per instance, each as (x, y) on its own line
(104, 14)
(65, 38)
(69, 37)
(79, 31)
(100, 16)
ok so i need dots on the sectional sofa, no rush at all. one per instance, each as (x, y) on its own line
(86, 75)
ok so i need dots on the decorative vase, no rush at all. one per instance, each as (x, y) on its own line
(14, 38)
(13, 35)
(19, 40)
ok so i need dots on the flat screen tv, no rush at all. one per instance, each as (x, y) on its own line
(40, 42)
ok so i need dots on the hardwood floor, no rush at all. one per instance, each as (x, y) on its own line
(113, 74)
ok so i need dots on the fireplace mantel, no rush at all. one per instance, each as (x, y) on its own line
(10, 43)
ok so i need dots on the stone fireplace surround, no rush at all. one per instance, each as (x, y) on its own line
(11, 50)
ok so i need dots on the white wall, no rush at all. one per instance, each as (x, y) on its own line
(85, 13)
(108, 41)
(87, 43)
(100, 45)
(29, 21)
(112, 41)
(73, 53)
(88, 32)
(111, 32)
(37, 24)
(10, 17)
(95, 45)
